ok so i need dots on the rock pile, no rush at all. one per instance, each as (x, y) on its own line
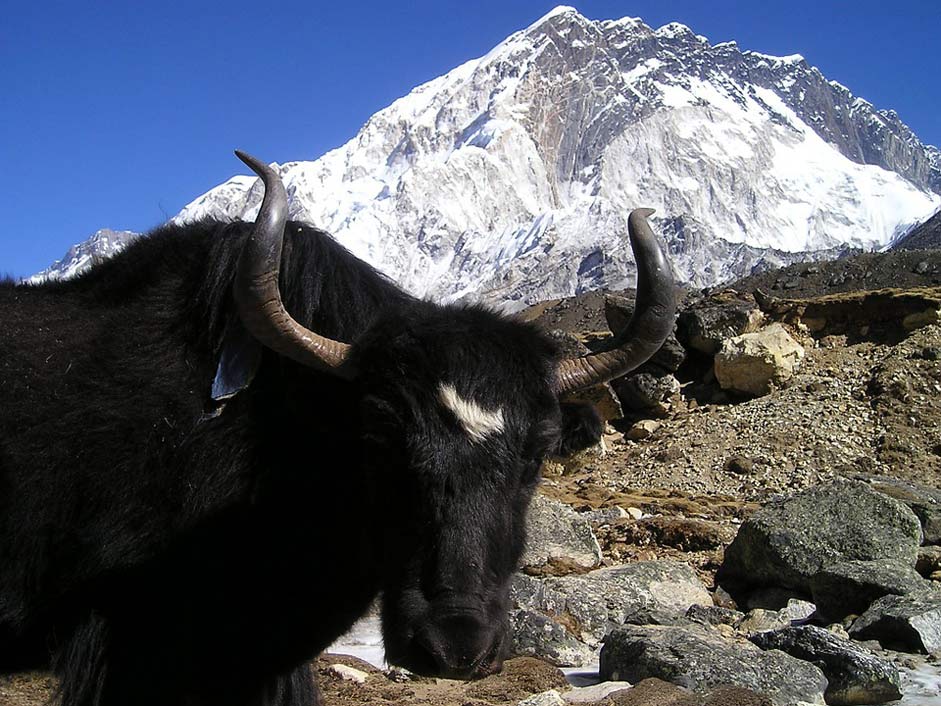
(827, 577)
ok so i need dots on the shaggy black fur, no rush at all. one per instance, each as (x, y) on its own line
(162, 549)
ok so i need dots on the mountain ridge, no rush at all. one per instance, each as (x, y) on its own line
(509, 178)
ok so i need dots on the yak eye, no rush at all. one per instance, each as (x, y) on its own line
(380, 414)
(542, 440)
(531, 471)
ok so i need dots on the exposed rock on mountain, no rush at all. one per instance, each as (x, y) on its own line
(510, 178)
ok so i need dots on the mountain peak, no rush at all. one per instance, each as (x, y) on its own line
(674, 29)
(558, 11)
(510, 178)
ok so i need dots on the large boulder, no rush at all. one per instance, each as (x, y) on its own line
(536, 635)
(850, 587)
(754, 363)
(558, 539)
(591, 604)
(855, 675)
(541, 627)
(789, 540)
(706, 325)
(925, 502)
(699, 658)
(909, 623)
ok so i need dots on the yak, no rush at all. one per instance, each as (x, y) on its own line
(218, 447)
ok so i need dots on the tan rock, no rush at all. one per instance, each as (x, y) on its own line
(642, 429)
(753, 363)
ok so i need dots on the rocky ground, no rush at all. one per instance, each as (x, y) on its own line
(697, 477)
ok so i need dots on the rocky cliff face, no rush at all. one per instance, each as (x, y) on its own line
(510, 178)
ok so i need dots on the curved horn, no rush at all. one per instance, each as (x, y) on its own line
(652, 322)
(256, 286)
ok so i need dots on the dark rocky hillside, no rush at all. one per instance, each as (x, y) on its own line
(923, 237)
(859, 272)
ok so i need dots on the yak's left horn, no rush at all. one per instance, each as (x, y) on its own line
(256, 286)
(649, 327)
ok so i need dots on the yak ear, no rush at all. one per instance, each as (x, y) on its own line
(238, 362)
(582, 427)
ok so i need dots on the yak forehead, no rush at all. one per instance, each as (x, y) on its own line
(490, 375)
(477, 421)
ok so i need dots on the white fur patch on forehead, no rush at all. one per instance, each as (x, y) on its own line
(479, 423)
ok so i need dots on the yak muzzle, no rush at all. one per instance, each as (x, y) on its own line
(457, 646)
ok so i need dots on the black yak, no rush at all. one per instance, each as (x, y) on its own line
(198, 493)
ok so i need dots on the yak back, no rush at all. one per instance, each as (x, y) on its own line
(106, 427)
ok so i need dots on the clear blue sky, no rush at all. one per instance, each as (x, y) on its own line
(118, 114)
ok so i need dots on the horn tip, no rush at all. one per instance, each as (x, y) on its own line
(254, 163)
(642, 213)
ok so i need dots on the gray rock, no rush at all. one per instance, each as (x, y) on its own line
(646, 391)
(929, 559)
(855, 675)
(925, 502)
(930, 523)
(735, 696)
(605, 515)
(706, 326)
(558, 537)
(698, 658)
(602, 398)
(713, 615)
(850, 587)
(536, 624)
(797, 610)
(907, 623)
(536, 635)
(604, 599)
(761, 620)
(530, 593)
(755, 363)
(654, 615)
(789, 540)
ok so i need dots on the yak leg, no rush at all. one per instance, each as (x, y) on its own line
(318, 699)
(295, 689)
(81, 664)
(94, 670)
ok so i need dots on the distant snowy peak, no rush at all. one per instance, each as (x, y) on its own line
(103, 244)
(510, 178)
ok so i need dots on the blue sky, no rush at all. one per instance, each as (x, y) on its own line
(118, 114)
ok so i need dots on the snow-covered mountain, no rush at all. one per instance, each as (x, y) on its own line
(80, 257)
(510, 178)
